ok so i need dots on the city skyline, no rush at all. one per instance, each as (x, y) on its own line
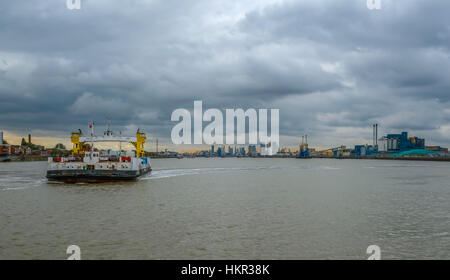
(378, 141)
(330, 78)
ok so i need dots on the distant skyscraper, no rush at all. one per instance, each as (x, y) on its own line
(220, 151)
(252, 150)
(230, 151)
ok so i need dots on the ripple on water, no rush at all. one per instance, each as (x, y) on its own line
(160, 174)
(20, 183)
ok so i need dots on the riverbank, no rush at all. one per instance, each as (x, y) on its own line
(404, 158)
(28, 158)
(40, 158)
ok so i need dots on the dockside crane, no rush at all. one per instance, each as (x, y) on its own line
(304, 148)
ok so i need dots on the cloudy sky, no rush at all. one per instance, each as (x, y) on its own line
(332, 67)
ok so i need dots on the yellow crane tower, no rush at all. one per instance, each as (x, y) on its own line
(77, 145)
(78, 141)
(139, 144)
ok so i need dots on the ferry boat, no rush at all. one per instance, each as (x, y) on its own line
(92, 166)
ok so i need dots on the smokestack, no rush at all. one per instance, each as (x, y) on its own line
(376, 134)
(29, 138)
(373, 135)
(1, 137)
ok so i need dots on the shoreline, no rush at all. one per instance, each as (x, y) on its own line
(442, 159)
(27, 158)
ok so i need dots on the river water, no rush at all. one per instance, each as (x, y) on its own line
(232, 209)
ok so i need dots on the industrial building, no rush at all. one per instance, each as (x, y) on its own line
(393, 143)
(368, 150)
(268, 149)
(437, 149)
(303, 151)
(220, 151)
(252, 151)
(365, 150)
(230, 151)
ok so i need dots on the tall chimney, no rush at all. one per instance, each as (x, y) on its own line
(1, 137)
(373, 135)
(376, 134)
(29, 138)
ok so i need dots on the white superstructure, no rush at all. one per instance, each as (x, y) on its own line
(87, 163)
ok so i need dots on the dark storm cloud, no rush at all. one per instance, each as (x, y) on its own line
(332, 67)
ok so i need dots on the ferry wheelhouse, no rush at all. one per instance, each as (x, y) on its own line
(87, 164)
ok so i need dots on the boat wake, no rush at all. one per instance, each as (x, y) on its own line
(327, 168)
(19, 183)
(160, 174)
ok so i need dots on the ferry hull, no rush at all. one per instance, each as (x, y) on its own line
(95, 176)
